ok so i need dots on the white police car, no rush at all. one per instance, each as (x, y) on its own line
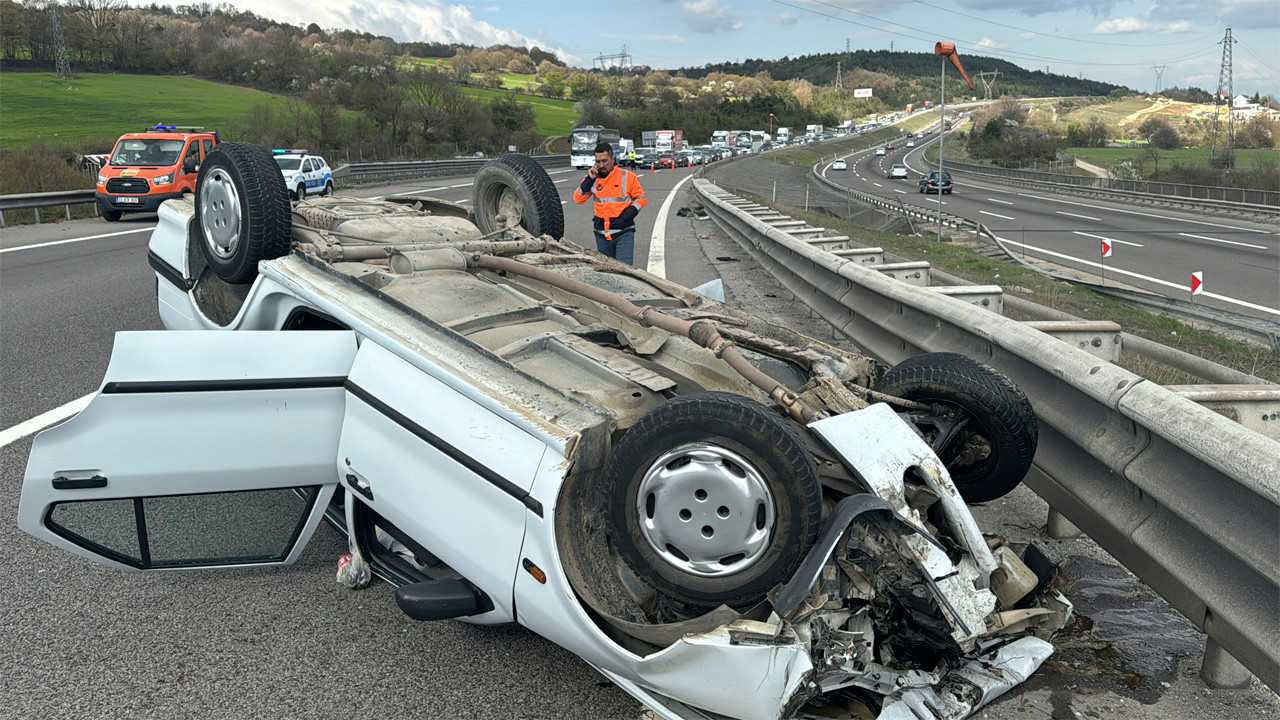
(304, 174)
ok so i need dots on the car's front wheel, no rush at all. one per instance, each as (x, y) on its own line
(713, 499)
(111, 215)
(982, 428)
(516, 190)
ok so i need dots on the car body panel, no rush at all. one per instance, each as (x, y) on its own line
(475, 412)
(898, 170)
(170, 408)
(839, 165)
(880, 151)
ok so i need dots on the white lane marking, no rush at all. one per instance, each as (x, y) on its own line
(1086, 217)
(1115, 270)
(463, 201)
(411, 192)
(564, 202)
(1228, 242)
(562, 180)
(900, 192)
(44, 420)
(1110, 240)
(1143, 214)
(877, 184)
(72, 240)
(1002, 217)
(1002, 202)
(462, 185)
(657, 262)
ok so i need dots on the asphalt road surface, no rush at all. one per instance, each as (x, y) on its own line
(1152, 248)
(83, 641)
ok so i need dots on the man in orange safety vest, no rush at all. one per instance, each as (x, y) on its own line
(618, 199)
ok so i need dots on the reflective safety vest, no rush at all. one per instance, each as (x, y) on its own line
(615, 197)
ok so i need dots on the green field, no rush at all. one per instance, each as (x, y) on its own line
(554, 117)
(41, 106)
(1105, 157)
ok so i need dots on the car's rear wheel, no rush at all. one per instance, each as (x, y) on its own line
(984, 429)
(111, 215)
(328, 188)
(516, 190)
(300, 193)
(242, 210)
(712, 498)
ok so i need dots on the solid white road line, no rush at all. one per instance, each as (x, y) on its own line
(1228, 242)
(1142, 214)
(73, 240)
(462, 185)
(657, 263)
(1086, 217)
(44, 420)
(1117, 271)
(900, 192)
(1002, 202)
(1110, 240)
(877, 184)
(1002, 217)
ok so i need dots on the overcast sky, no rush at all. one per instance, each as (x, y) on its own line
(1116, 41)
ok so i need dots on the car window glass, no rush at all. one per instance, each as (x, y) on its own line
(254, 526)
(207, 146)
(320, 163)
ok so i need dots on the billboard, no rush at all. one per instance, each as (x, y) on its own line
(862, 92)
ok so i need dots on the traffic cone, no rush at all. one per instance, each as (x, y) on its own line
(651, 168)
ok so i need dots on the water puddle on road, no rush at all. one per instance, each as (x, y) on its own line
(1122, 630)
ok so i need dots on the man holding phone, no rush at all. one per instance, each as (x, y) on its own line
(618, 199)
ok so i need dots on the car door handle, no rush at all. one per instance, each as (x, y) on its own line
(360, 485)
(65, 483)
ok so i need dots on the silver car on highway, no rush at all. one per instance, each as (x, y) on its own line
(725, 518)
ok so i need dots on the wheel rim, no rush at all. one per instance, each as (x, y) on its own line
(960, 439)
(220, 213)
(705, 510)
(503, 206)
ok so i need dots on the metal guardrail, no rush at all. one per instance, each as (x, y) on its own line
(360, 173)
(35, 201)
(1265, 200)
(1186, 498)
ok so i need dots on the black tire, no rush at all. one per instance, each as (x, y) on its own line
(946, 192)
(300, 193)
(261, 228)
(328, 189)
(997, 414)
(768, 443)
(517, 183)
(111, 215)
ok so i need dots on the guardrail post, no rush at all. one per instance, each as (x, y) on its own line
(68, 209)
(37, 212)
(1220, 670)
(1059, 527)
(1, 218)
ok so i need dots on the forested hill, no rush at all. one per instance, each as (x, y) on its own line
(821, 70)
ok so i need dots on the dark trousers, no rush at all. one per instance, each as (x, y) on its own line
(622, 247)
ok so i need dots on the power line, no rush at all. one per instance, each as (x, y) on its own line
(971, 46)
(1159, 75)
(1061, 37)
(1228, 154)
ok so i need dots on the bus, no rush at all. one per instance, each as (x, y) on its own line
(583, 141)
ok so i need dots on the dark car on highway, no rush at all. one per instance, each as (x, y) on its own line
(935, 181)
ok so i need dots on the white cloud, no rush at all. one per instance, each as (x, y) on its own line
(709, 16)
(1134, 24)
(403, 20)
(1026, 36)
(989, 44)
(492, 8)
(672, 38)
(786, 18)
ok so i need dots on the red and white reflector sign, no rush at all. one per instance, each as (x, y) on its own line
(1106, 249)
(1197, 283)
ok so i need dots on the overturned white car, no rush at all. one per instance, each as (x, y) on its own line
(724, 517)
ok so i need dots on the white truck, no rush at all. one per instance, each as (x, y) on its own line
(813, 130)
(720, 138)
(784, 134)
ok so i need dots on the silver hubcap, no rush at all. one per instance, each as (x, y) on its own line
(220, 213)
(705, 510)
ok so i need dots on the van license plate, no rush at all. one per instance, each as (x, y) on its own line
(128, 200)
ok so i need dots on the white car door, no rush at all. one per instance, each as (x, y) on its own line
(445, 470)
(201, 449)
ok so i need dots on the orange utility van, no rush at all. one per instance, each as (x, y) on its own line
(149, 167)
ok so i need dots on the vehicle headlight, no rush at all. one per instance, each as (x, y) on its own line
(162, 179)
(102, 179)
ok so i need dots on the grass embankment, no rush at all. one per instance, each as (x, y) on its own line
(551, 117)
(1105, 157)
(43, 106)
(1017, 281)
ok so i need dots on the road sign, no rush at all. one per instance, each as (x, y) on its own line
(1197, 283)
(862, 92)
(1106, 249)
